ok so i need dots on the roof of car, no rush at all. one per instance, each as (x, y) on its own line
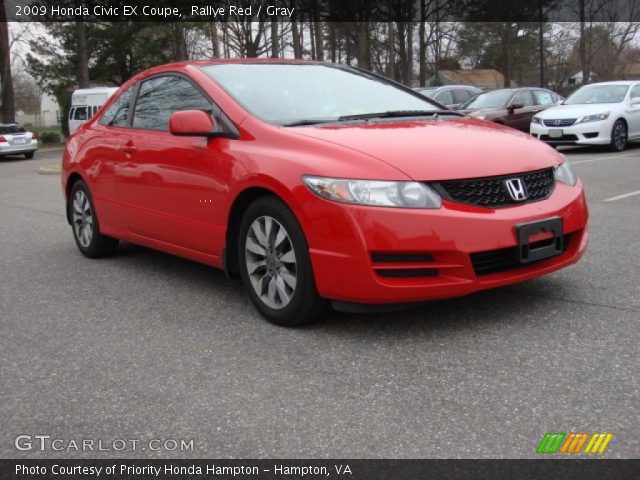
(445, 86)
(224, 61)
(616, 82)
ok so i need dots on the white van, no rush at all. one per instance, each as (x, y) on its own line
(85, 102)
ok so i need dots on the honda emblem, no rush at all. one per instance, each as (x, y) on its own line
(516, 189)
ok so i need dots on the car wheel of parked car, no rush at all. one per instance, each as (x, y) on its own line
(619, 136)
(275, 265)
(84, 222)
(29, 155)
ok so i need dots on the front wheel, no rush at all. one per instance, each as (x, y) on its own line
(275, 266)
(84, 223)
(619, 136)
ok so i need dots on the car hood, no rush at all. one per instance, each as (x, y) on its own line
(442, 149)
(577, 111)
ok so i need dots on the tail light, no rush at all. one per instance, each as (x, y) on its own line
(3, 139)
(34, 137)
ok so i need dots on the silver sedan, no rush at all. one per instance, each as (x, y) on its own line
(15, 140)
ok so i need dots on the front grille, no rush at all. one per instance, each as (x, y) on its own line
(390, 265)
(563, 138)
(407, 272)
(401, 257)
(563, 122)
(492, 191)
(495, 261)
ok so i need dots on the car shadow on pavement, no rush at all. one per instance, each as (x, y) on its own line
(597, 150)
(473, 312)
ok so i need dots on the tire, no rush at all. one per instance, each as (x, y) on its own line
(619, 136)
(85, 225)
(29, 155)
(281, 283)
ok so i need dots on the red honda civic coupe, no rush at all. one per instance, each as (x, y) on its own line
(319, 184)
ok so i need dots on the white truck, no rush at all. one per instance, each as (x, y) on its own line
(85, 102)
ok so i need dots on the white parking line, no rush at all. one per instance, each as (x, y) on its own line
(624, 195)
(597, 159)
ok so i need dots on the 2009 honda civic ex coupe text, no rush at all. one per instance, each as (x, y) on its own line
(319, 183)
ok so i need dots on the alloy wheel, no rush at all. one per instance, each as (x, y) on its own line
(271, 262)
(82, 218)
(620, 136)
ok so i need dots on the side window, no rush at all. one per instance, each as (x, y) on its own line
(543, 97)
(460, 96)
(635, 92)
(80, 113)
(71, 112)
(118, 112)
(523, 98)
(161, 96)
(445, 97)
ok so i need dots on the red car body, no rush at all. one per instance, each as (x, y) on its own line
(184, 196)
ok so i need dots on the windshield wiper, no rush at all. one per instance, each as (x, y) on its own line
(367, 116)
(400, 113)
(308, 121)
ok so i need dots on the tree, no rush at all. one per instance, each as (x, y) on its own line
(8, 108)
(83, 57)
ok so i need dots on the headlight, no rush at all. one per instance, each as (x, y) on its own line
(595, 118)
(374, 192)
(564, 173)
(536, 120)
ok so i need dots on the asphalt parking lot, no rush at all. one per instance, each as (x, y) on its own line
(148, 346)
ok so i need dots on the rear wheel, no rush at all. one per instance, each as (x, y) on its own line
(619, 136)
(85, 226)
(275, 266)
(29, 155)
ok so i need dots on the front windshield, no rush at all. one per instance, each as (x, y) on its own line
(290, 93)
(496, 99)
(597, 94)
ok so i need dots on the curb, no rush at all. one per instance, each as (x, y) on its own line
(51, 149)
(50, 170)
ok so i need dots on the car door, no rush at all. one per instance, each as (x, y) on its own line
(172, 187)
(109, 135)
(633, 112)
(543, 99)
(520, 118)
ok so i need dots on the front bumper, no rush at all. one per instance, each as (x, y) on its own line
(7, 149)
(347, 243)
(591, 133)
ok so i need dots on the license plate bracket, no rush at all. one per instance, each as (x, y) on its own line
(556, 133)
(550, 247)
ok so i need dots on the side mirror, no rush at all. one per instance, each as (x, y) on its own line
(634, 101)
(514, 106)
(191, 123)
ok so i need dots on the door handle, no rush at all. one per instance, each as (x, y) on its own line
(129, 147)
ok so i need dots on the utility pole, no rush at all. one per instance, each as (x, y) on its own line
(541, 39)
